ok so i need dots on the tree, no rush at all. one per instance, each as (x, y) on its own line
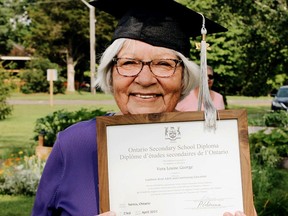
(222, 55)
(105, 26)
(259, 42)
(5, 28)
(253, 53)
(265, 46)
(60, 30)
(248, 59)
(13, 24)
(5, 109)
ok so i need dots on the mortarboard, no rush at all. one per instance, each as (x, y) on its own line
(164, 23)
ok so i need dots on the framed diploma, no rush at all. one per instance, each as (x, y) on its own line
(168, 164)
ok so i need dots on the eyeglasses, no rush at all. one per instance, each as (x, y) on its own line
(129, 67)
(210, 77)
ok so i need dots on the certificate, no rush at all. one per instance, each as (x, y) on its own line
(169, 164)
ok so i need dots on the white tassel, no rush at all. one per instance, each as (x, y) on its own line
(210, 112)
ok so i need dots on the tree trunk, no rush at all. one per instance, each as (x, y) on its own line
(70, 74)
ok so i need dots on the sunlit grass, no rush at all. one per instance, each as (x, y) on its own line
(67, 96)
(15, 205)
(16, 131)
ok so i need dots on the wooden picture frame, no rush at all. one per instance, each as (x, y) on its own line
(129, 122)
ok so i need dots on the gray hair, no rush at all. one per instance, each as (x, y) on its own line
(104, 73)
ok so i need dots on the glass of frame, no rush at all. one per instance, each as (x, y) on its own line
(169, 164)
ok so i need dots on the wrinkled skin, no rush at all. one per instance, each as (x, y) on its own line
(146, 93)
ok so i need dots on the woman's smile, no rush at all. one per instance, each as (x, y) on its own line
(145, 96)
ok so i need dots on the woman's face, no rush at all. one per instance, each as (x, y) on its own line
(146, 93)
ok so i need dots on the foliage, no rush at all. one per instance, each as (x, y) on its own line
(35, 78)
(60, 31)
(270, 196)
(33, 82)
(21, 175)
(267, 150)
(13, 24)
(277, 81)
(253, 52)
(276, 119)
(264, 47)
(269, 147)
(104, 29)
(5, 88)
(250, 59)
(51, 124)
(5, 42)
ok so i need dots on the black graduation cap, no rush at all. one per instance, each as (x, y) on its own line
(164, 23)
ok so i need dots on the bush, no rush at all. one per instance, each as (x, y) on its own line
(276, 119)
(5, 109)
(269, 148)
(267, 151)
(21, 176)
(51, 124)
(35, 78)
(271, 199)
(34, 82)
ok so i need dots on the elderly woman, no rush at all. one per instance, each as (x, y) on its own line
(144, 78)
(147, 71)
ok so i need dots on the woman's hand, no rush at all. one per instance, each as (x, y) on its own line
(110, 213)
(237, 213)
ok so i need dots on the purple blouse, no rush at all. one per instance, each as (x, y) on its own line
(69, 183)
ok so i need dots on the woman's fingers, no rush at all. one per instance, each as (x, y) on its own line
(237, 213)
(108, 214)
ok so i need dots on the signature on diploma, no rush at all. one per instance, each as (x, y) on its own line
(207, 202)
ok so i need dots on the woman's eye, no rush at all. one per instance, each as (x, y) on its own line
(163, 63)
(130, 62)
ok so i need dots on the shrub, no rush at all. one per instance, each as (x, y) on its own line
(20, 176)
(5, 109)
(276, 119)
(269, 148)
(270, 198)
(51, 124)
(34, 81)
(267, 151)
(35, 78)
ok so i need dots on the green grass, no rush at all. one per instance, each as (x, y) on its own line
(15, 205)
(17, 130)
(254, 113)
(68, 96)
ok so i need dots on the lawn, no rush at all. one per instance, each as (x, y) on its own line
(15, 205)
(68, 96)
(16, 131)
